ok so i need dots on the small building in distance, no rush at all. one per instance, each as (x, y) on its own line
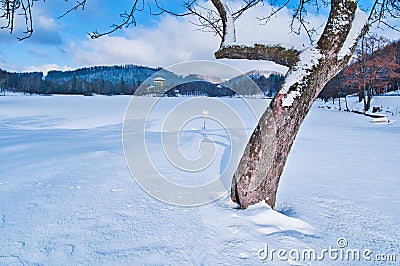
(158, 86)
(159, 82)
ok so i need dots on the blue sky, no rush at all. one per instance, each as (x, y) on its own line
(156, 41)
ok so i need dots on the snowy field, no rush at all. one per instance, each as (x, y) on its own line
(67, 196)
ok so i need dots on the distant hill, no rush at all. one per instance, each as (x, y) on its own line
(129, 74)
(266, 81)
(126, 79)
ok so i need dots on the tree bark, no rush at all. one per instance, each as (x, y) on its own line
(257, 177)
(360, 93)
(259, 171)
(276, 53)
(368, 97)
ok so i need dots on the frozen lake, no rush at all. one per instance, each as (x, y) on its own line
(67, 196)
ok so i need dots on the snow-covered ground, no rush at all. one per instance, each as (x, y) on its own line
(68, 198)
(387, 105)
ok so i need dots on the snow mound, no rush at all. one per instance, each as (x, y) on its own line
(270, 221)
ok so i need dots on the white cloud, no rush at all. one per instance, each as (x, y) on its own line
(173, 40)
(277, 30)
(45, 68)
(45, 22)
(169, 41)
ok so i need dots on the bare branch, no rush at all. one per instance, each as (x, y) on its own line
(80, 4)
(208, 19)
(128, 19)
(187, 5)
(267, 18)
(208, 22)
(299, 22)
(275, 53)
(382, 11)
(28, 20)
(248, 5)
(228, 27)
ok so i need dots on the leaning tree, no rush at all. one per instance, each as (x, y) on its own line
(258, 174)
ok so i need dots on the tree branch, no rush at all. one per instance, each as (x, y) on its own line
(78, 5)
(249, 4)
(128, 18)
(382, 10)
(228, 27)
(274, 53)
(28, 20)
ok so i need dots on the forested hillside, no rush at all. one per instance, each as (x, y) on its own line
(117, 80)
(109, 80)
(374, 70)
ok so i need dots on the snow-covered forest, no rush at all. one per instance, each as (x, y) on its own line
(124, 80)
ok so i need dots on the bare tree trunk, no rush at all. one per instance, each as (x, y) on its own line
(360, 94)
(367, 98)
(365, 101)
(265, 155)
(264, 158)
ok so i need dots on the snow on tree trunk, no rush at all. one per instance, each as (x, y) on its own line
(261, 166)
(259, 171)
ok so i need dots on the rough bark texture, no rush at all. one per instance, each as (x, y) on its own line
(264, 158)
(263, 161)
(276, 53)
(223, 13)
